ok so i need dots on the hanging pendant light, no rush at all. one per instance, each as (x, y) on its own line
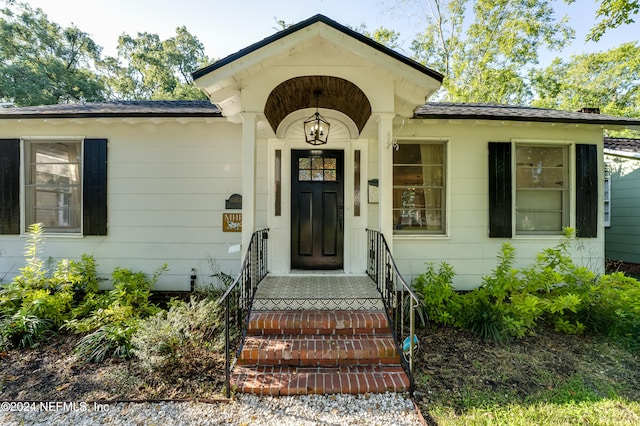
(316, 128)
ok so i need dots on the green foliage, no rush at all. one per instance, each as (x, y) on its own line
(165, 338)
(112, 317)
(44, 63)
(512, 302)
(483, 52)
(149, 68)
(607, 80)
(40, 299)
(614, 13)
(109, 341)
(128, 299)
(435, 289)
(485, 319)
(21, 330)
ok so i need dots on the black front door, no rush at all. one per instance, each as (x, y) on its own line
(317, 209)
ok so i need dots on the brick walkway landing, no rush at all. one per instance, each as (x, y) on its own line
(320, 352)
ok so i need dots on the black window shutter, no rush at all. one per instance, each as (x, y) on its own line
(9, 186)
(94, 187)
(500, 193)
(586, 191)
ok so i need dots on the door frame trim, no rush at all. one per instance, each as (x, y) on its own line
(280, 226)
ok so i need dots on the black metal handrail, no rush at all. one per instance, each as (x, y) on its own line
(239, 297)
(399, 300)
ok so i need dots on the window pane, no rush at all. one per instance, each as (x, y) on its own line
(304, 175)
(542, 200)
(316, 163)
(329, 163)
(418, 193)
(542, 187)
(53, 194)
(530, 221)
(550, 177)
(417, 220)
(304, 163)
(407, 154)
(317, 175)
(330, 175)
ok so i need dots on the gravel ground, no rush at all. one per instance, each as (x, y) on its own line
(370, 409)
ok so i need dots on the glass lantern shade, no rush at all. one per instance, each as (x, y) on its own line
(316, 130)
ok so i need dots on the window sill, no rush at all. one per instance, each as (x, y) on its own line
(409, 237)
(540, 237)
(58, 236)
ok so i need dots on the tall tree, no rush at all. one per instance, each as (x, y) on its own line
(44, 63)
(608, 80)
(485, 59)
(149, 68)
(384, 36)
(613, 14)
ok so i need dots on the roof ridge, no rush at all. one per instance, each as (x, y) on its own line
(306, 23)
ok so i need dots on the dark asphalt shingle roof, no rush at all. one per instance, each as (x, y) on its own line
(116, 109)
(479, 111)
(431, 110)
(622, 144)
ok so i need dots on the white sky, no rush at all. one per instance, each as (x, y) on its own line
(224, 27)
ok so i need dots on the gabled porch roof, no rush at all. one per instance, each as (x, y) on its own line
(277, 76)
(307, 23)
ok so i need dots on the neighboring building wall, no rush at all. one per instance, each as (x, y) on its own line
(168, 181)
(467, 245)
(623, 236)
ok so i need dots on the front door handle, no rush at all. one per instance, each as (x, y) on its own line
(340, 217)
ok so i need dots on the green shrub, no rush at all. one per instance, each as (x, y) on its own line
(109, 341)
(39, 300)
(129, 298)
(511, 302)
(484, 318)
(22, 330)
(112, 317)
(440, 302)
(167, 337)
(610, 306)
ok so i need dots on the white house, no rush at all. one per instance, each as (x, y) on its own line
(138, 184)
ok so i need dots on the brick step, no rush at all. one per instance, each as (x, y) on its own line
(317, 322)
(288, 380)
(319, 350)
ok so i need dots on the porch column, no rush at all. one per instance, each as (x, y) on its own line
(249, 120)
(385, 175)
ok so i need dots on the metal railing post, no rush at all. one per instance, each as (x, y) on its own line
(241, 293)
(394, 290)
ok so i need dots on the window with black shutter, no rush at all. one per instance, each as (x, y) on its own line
(9, 186)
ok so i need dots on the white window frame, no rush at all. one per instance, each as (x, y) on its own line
(570, 192)
(24, 152)
(607, 198)
(444, 232)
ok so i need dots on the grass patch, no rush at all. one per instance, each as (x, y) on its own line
(549, 378)
(600, 412)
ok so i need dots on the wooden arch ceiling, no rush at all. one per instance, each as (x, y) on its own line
(298, 93)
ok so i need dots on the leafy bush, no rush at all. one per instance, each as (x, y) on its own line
(113, 316)
(39, 300)
(129, 298)
(165, 338)
(440, 302)
(110, 340)
(21, 330)
(511, 302)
